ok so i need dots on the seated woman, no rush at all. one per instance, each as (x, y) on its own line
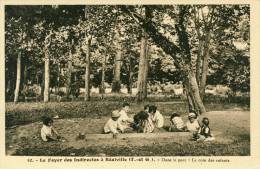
(142, 123)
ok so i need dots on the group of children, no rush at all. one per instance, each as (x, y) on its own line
(151, 120)
(146, 121)
(200, 132)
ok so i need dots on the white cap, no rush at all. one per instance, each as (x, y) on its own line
(115, 113)
(192, 115)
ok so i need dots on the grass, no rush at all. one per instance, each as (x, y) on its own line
(25, 113)
(171, 149)
(231, 120)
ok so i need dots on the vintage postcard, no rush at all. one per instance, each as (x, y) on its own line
(142, 84)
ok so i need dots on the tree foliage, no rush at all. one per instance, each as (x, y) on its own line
(176, 36)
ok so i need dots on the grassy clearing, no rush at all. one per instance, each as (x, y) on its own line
(23, 122)
(25, 113)
(233, 140)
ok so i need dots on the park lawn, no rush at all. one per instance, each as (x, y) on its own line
(230, 125)
(26, 113)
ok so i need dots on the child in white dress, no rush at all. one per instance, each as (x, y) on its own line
(156, 117)
(124, 120)
(48, 133)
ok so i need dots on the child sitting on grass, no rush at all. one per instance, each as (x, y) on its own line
(124, 120)
(113, 126)
(204, 133)
(177, 124)
(48, 133)
(192, 124)
(142, 123)
(156, 117)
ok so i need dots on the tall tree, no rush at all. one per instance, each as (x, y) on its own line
(116, 84)
(131, 75)
(143, 64)
(47, 68)
(87, 53)
(18, 78)
(87, 72)
(102, 89)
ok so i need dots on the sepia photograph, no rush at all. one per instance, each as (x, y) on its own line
(127, 80)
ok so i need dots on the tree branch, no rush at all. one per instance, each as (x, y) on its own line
(182, 34)
(167, 46)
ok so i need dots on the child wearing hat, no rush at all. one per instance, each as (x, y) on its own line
(112, 125)
(48, 133)
(177, 124)
(192, 124)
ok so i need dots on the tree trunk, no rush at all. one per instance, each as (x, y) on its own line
(18, 78)
(143, 64)
(87, 74)
(58, 79)
(146, 69)
(204, 66)
(194, 93)
(116, 84)
(42, 84)
(46, 77)
(142, 72)
(204, 75)
(46, 93)
(102, 89)
(25, 74)
(130, 78)
(69, 73)
(187, 93)
(10, 79)
(87, 52)
(198, 62)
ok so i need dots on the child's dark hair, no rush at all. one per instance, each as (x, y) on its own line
(152, 108)
(146, 106)
(126, 104)
(205, 121)
(139, 118)
(47, 120)
(142, 115)
(175, 114)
